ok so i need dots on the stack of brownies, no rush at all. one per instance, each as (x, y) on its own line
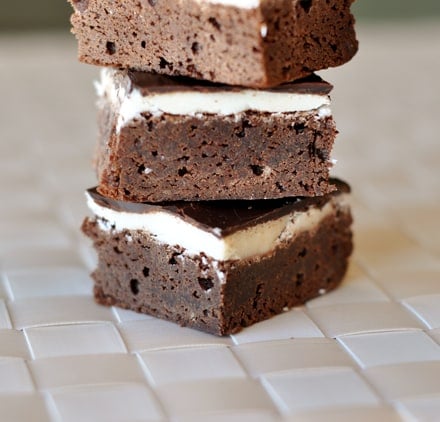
(214, 206)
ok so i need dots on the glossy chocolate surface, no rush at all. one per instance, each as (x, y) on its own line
(229, 216)
(149, 83)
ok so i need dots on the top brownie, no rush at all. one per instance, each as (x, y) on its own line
(255, 43)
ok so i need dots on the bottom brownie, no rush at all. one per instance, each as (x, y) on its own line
(221, 296)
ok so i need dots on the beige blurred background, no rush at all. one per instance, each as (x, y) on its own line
(30, 15)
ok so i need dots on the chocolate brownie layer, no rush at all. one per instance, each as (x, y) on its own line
(250, 42)
(165, 139)
(217, 266)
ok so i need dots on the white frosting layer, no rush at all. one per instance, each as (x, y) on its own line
(130, 104)
(173, 230)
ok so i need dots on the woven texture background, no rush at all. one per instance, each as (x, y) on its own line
(368, 351)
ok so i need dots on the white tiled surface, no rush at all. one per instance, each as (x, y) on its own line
(111, 402)
(304, 389)
(45, 311)
(195, 363)
(214, 395)
(368, 351)
(289, 325)
(74, 339)
(386, 348)
(14, 377)
(48, 282)
(62, 372)
(29, 407)
(421, 409)
(300, 353)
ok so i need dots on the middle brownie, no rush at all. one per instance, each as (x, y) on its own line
(166, 139)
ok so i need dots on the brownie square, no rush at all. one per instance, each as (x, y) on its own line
(168, 139)
(255, 43)
(218, 266)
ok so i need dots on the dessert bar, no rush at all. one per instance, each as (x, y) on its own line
(218, 266)
(165, 139)
(256, 43)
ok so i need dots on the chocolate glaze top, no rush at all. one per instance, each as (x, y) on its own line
(149, 83)
(228, 216)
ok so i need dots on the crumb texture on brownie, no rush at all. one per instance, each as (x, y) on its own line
(274, 42)
(139, 274)
(150, 151)
(136, 271)
(248, 156)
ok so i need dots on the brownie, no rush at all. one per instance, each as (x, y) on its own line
(165, 139)
(255, 43)
(218, 266)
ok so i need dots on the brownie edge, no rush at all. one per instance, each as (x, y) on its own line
(157, 156)
(137, 272)
(276, 41)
